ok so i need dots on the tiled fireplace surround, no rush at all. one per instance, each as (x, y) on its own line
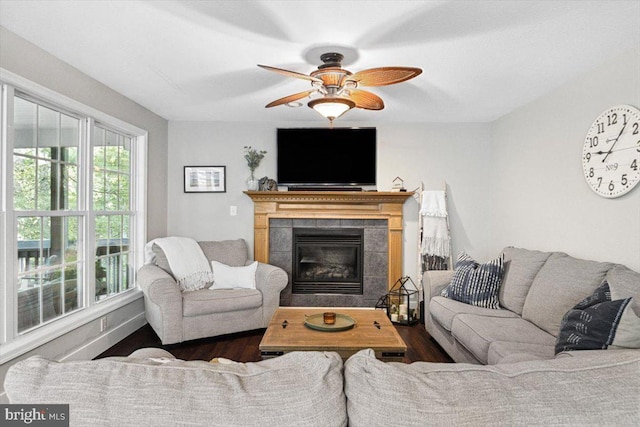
(375, 267)
(379, 214)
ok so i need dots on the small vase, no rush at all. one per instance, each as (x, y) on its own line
(252, 183)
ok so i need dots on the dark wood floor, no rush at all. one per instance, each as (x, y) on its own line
(243, 347)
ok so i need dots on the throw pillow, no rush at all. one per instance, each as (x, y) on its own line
(474, 283)
(226, 277)
(597, 323)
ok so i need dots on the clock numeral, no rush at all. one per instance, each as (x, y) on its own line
(593, 142)
(624, 119)
(638, 150)
(600, 128)
(599, 181)
(612, 119)
(635, 128)
(624, 181)
(588, 157)
(634, 164)
(591, 173)
(611, 186)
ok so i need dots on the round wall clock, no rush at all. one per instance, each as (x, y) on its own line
(611, 152)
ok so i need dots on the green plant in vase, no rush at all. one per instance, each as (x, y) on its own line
(253, 158)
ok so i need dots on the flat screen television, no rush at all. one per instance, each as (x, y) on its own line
(326, 158)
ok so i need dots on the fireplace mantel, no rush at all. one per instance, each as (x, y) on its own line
(331, 205)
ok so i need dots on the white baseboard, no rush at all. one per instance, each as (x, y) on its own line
(106, 340)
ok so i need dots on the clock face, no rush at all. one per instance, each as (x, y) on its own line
(611, 152)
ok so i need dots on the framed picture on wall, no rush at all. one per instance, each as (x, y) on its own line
(205, 179)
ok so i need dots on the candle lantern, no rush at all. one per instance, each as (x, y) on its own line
(383, 304)
(403, 302)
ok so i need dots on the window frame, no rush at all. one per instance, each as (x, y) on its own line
(12, 343)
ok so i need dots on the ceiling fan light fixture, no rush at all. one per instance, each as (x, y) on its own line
(339, 88)
(331, 107)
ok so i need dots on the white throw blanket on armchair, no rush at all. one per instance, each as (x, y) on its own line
(189, 265)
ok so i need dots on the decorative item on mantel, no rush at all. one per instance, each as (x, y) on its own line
(398, 185)
(267, 184)
(401, 302)
(253, 158)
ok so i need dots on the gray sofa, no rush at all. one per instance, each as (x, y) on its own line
(151, 388)
(180, 316)
(537, 290)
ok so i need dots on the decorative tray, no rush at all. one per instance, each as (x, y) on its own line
(316, 321)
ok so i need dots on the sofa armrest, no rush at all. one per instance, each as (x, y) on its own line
(163, 302)
(270, 280)
(434, 281)
(158, 285)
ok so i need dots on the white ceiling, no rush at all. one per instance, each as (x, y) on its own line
(196, 60)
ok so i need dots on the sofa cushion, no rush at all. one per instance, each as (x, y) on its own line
(509, 352)
(563, 391)
(624, 283)
(476, 333)
(444, 310)
(296, 389)
(562, 282)
(520, 268)
(230, 252)
(597, 322)
(226, 276)
(474, 283)
(208, 301)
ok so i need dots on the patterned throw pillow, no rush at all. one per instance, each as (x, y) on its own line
(476, 284)
(597, 322)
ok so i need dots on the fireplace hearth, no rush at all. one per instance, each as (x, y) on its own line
(327, 261)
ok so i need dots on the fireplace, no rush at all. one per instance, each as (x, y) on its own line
(277, 213)
(327, 261)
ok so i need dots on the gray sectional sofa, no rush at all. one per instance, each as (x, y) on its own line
(537, 290)
(151, 388)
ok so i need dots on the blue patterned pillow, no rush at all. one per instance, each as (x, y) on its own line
(598, 322)
(476, 284)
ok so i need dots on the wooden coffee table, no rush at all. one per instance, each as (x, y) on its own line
(384, 340)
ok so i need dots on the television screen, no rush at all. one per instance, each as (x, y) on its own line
(323, 157)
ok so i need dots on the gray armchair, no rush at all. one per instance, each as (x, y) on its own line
(176, 316)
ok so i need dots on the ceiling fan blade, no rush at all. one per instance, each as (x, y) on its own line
(290, 98)
(289, 73)
(366, 100)
(384, 76)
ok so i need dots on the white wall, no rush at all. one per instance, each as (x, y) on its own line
(432, 153)
(540, 199)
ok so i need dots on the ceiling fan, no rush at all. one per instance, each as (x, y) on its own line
(339, 88)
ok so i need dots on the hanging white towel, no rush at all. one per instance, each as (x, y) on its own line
(435, 232)
(434, 204)
(435, 236)
(188, 263)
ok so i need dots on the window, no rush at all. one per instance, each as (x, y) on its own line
(111, 202)
(45, 201)
(71, 210)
